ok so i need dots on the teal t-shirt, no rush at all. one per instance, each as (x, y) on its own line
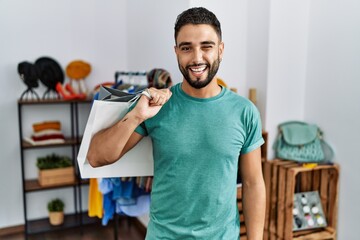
(196, 145)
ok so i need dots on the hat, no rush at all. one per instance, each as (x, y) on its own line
(78, 70)
(28, 73)
(50, 72)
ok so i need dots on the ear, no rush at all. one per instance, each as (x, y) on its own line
(221, 50)
(176, 49)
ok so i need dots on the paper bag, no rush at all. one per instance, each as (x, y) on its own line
(105, 113)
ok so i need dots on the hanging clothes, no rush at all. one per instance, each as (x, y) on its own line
(123, 196)
(95, 202)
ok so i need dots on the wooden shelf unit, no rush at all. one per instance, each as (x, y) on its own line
(70, 221)
(77, 218)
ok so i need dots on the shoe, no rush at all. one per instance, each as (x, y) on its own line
(69, 88)
(65, 94)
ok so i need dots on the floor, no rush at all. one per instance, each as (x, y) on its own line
(91, 232)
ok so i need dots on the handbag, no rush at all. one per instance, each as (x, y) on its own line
(111, 106)
(302, 142)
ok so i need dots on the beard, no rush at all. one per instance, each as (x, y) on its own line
(197, 83)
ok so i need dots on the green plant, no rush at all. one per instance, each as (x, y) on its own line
(56, 205)
(53, 161)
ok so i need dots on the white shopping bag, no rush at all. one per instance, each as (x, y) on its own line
(137, 162)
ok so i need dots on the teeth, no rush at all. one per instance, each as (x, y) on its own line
(198, 69)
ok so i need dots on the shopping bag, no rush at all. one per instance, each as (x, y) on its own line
(105, 112)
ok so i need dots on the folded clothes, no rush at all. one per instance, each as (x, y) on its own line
(54, 125)
(44, 142)
(46, 133)
(48, 137)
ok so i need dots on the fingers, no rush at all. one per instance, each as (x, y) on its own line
(159, 96)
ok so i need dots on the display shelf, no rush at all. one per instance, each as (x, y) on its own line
(51, 101)
(32, 185)
(68, 142)
(70, 221)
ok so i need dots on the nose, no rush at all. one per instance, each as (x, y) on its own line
(197, 56)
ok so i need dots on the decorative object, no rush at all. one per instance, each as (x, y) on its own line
(56, 211)
(308, 212)
(55, 170)
(77, 71)
(50, 73)
(29, 74)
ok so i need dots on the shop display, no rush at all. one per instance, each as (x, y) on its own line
(307, 211)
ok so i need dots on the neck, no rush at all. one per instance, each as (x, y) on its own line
(211, 90)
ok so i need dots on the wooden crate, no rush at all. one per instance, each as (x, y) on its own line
(264, 146)
(271, 177)
(58, 176)
(282, 180)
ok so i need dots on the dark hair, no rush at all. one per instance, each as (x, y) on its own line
(197, 15)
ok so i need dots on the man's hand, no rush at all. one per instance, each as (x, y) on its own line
(147, 108)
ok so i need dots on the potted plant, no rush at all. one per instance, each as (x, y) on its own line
(56, 211)
(55, 170)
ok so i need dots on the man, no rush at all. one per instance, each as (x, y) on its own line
(198, 130)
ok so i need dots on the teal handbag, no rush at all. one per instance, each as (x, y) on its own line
(302, 142)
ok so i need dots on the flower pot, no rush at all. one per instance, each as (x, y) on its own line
(56, 218)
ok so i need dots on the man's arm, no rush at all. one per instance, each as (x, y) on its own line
(110, 144)
(253, 194)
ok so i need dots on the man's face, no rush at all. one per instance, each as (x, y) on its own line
(199, 53)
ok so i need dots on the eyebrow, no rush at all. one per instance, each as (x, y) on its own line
(202, 43)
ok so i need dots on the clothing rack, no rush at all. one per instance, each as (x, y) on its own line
(131, 77)
(143, 183)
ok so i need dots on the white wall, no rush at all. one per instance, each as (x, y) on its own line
(332, 97)
(287, 49)
(232, 15)
(150, 34)
(257, 43)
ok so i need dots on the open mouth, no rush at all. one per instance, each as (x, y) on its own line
(197, 71)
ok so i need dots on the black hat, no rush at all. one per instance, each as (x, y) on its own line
(50, 72)
(28, 73)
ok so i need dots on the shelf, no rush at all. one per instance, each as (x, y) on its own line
(51, 101)
(76, 219)
(326, 233)
(68, 142)
(70, 221)
(33, 185)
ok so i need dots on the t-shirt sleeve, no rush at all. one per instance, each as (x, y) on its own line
(141, 129)
(253, 130)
